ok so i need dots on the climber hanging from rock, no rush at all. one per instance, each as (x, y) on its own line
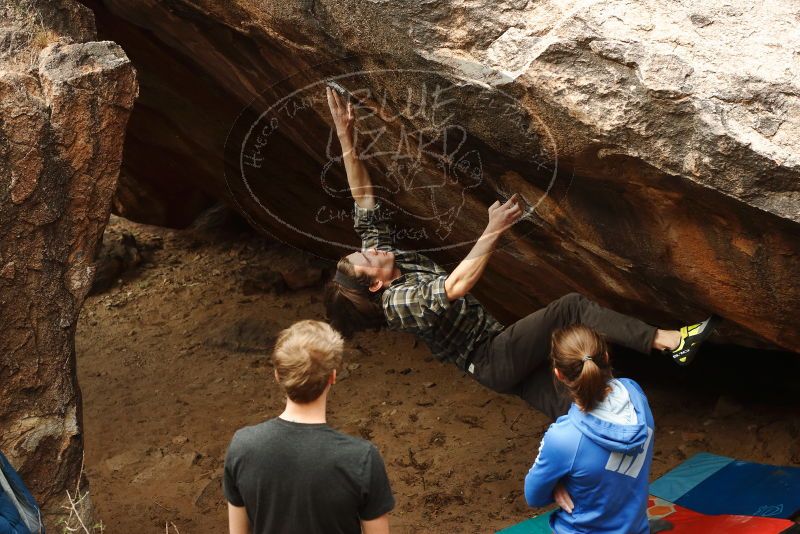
(381, 285)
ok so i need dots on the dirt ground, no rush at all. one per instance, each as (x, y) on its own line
(174, 358)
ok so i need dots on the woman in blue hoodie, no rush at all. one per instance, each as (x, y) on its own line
(594, 461)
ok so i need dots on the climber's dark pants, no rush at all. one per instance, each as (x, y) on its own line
(517, 360)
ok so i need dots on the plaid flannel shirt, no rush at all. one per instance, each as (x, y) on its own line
(417, 302)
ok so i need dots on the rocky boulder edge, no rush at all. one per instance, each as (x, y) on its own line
(675, 127)
(65, 100)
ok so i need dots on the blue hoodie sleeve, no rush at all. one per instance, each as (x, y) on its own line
(556, 454)
(10, 522)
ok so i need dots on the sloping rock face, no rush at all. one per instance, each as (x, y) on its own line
(64, 105)
(656, 144)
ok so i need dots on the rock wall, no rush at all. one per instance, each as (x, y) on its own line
(657, 144)
(64, 104)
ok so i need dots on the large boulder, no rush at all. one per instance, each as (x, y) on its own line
(656, 143)
(64, 104)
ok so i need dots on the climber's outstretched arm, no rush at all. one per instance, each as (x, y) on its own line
(469, 271)
(357, 175)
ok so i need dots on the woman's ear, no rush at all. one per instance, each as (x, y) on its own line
(277, 378)
(558, 374)
(332, 378)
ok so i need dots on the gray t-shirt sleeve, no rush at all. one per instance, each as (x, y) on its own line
(229, 487)
(377, 498)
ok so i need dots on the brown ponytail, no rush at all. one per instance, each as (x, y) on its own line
(352, 309)
(581, 355)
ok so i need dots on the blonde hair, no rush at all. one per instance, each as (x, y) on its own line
(305, 355)
(581, 354)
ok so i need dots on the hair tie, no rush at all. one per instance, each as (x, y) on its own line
(586, 358)
(347, 281)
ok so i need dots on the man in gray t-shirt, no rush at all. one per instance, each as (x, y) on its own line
(294, 474)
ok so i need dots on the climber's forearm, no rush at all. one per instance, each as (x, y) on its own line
(357, 175)
(469, 271)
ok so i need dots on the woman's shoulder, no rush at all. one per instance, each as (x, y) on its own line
(562, 432)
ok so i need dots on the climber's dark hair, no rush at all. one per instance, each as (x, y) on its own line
(352, 309)
(581, 354)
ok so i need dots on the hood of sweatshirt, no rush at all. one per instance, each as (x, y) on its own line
(603, 424)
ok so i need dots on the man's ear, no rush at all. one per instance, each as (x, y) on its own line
(277, 378)
(332, 378)
(375, 285)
